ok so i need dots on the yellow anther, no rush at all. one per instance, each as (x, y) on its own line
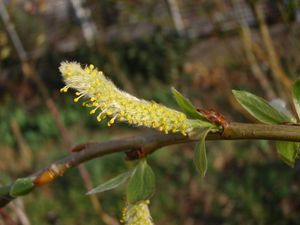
(87, 70)
(121, 106)
(64, 89)
(112, 121)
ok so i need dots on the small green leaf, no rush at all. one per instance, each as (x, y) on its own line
(260, 108)
(141, 185)
(186, 106)
(200, 159)
(111, 184)
(288, 151)
(21, 186)
(201, 123)
(296, 96)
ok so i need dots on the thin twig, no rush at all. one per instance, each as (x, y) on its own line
(18, 208)
(277, 71)
(152, 141)
(25, 153)
(12, 32)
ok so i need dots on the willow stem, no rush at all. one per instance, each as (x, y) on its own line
(151, 142)
(237, 131)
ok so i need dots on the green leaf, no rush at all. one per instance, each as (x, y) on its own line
(186, 106)
(296, 96)
(260, 108)
(201, 123)
(112, 183)
(21, 186)
(200, 159)
(141, 185)
(288, 151)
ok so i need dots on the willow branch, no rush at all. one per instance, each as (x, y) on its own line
(150, 142)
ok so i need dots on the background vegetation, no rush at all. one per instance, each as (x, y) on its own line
(203, 48)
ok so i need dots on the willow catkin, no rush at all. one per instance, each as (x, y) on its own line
(106, 99)
(137, 214)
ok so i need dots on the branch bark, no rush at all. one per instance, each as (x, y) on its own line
(152, 141)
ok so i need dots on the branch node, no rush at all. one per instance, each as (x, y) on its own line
(136, 153)
(50, 174)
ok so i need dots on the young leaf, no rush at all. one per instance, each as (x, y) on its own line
(141, 185)
(202, 124)
(288, 151)
(112, 183)
(260, 108)
(21, 186)
(200, 159)
(296, 96)
(186, 106)
(280, 105)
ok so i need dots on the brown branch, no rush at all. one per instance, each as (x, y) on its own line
(153, 141)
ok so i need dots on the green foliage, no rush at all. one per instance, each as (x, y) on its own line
(296, 97)
(141, 185)
(200, 159)
(264, 112)
(112, 183)
(36, 126)
(260, 108)
(288, 151)
(21, 186)
(186, 106)
(157, 56)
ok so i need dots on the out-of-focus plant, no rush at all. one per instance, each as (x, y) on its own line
(5, 49)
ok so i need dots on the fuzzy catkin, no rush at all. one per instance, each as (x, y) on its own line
(137, 214)
(106, 99)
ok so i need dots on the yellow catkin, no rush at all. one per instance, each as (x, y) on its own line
(106, 99)
(137, 214)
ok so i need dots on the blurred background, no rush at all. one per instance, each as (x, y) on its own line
(204, 48)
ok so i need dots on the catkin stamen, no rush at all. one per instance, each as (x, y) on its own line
(118, 105)
(137, 214)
